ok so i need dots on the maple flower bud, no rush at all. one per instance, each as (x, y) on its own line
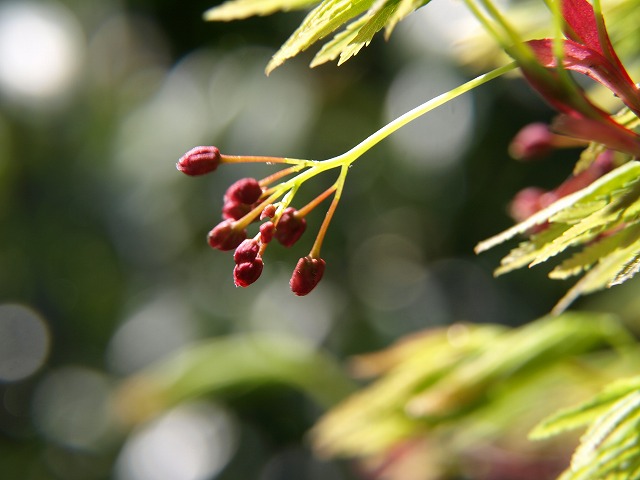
(306, 275)
(290, 227)
(199, 160)
(244, 274)
(268, 212)
(232, 210)
(527, 202)
(245, 190)
(247, 251)
(532, 141)
(267, 229)
(225, 237)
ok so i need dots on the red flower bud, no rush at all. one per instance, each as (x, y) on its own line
(533, 141)
(268, 212)
(199, 160)
(527, 202)
(225, 237)
(267, 229)
(232, 210)
(306, 275)
(247, 251)
(244, 274)
(245, 190)
(290, 227)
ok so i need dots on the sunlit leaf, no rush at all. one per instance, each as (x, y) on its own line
(357, 34)
(587, 412)
(376, 19)
(605, 273)
(602, 219)
(320, 22)
(528, 251)
(341, 41)
(583, 260)
(239, 9)
(619, 178)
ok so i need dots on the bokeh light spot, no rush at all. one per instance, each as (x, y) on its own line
(71, 407)
(24, 342)
(438, 139)
(155, 330)
(310, 318)
(40, 49)
(192, 442)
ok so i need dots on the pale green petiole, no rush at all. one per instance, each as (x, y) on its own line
(357, 151)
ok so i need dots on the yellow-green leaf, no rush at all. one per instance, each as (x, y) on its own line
(609, 207)
(607, 184)
(236, 362)
(320, 22)
(586, 412)
(405, 7)
(238, 9)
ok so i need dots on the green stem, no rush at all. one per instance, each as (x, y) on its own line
(353, 154)
(508, 39)
(510, 32)
(485, 22)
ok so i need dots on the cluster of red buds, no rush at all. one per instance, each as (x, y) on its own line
(249, 200)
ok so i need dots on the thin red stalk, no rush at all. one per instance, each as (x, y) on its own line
(279, 174)
(317, 245)
(259, 159)
(316, 201)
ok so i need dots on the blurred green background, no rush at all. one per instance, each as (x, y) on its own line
(104, 266)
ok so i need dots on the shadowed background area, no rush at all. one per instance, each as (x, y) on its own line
(104, 265)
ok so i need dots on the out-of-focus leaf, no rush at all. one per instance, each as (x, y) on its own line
(227, 363)
(450, 379)
(239, 9)
(380, 408)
